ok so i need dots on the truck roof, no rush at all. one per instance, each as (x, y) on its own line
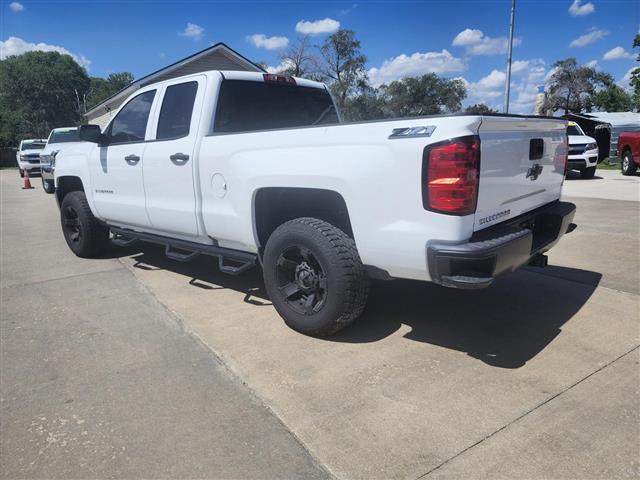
(264, 77)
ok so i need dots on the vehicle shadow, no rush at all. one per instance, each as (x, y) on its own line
(573, 175)
(505, 325)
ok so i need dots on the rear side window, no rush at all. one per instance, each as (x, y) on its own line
(245, 106)
(130, 124)
(177, 107)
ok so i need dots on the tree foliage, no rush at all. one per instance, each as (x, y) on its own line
(343, 64)
(613, 99)
(635, 75)
(39, 91)
(573, 87)
(299, 61)
(100, 88)
(479, 109)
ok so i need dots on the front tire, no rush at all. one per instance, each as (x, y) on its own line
(588, 172)
(21, 172)
(628, 165)
(314, 276)
(48, 185)
(85, 235)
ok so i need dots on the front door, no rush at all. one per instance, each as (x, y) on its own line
(116, 167)
(168, 160)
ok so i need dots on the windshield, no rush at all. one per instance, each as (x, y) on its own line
(32, 146)
(245, 105)
(64, 136)
(574, 130)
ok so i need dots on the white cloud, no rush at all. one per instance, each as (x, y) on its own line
(270, 43)
(17, 46)
(593, 64)
(192, 31)
(414, 65)
(577, 9)
(591, 37)
(327, 25)
(487, 88)
(279, 68)
(16, 7)
(618, 53)
(347, 11)
(477, 43)
(625, 81)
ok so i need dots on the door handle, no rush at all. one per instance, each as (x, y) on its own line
(132, 159)
(179, 158)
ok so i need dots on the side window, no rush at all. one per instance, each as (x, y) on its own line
(175, 114)
(130, 124)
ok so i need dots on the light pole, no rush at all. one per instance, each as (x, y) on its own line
(507, 86)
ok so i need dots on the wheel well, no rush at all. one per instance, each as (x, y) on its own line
(277, 205)
(67, 185)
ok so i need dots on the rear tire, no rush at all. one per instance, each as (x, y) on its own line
(627, 165)
(84, 234)
(588, 172)
(48, 185)
(314, 276)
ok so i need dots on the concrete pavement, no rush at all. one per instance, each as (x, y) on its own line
(535, 377)
(99, 380)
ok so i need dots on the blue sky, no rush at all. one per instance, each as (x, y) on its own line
(456, 39)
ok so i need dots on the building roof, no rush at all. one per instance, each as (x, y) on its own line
(117, 98)
(613, 118)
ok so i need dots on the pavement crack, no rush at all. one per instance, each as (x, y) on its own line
(517, 419)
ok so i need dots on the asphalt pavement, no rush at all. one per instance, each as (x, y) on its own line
(176, 370)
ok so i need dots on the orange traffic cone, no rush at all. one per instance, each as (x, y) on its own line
(27, 183)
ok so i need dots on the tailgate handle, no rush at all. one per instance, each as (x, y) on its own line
(536, 148)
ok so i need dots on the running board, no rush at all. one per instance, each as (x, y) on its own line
(233, 262)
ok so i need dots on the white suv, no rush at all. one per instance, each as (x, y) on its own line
(583, 151)
(28, 155)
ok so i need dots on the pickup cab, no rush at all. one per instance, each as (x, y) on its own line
(257, 169)
(629, 151)
(58, 139)
(28, 155)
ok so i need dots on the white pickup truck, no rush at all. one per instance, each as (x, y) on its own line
(257, 169)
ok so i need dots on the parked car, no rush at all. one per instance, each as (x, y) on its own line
(58, 139)
(629, 151)
(28, 155)
(257, 168)
(583, 151)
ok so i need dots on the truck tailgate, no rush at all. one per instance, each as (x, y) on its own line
(522, 163)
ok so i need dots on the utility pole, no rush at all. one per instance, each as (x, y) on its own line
(507, 85)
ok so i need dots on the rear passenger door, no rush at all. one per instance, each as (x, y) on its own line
(169, 165)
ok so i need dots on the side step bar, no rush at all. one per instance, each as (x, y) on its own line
(233, 262)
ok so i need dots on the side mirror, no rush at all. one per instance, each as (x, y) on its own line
(90, 133)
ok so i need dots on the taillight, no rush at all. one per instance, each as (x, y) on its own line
(450, 176)
(561, 158)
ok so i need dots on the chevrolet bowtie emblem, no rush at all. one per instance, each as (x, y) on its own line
(534, 172)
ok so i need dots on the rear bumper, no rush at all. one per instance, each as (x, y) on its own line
(500, 249)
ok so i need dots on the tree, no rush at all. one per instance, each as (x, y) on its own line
(613, 99)
(39, 91)
(343, 64)
(100, 89)
(479, 109)
(572, 87)
(365, 104)
(425, 95)
(635, 75)
(298, 61)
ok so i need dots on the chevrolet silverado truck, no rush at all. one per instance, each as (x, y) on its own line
(257, 169)
(583, 151)
(58, 139)
(28, 155)
(628, 149)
